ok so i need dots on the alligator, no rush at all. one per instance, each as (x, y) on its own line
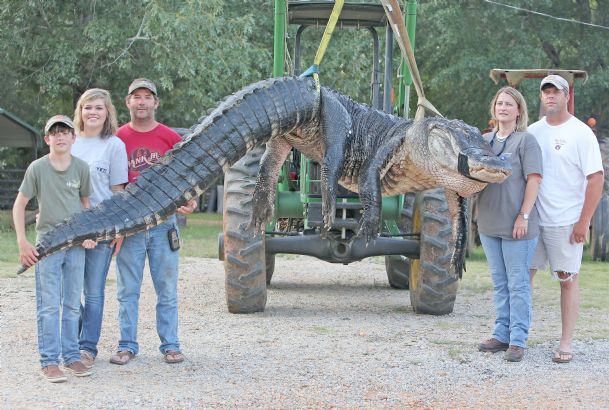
(363, 149)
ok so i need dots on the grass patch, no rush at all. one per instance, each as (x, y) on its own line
(594, 288)
(200, 235)
(457, 354)
(9, 251)
(322, 330)
(199, 238)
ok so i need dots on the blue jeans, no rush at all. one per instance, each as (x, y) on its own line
(509, 262)
(97, 263)
(59, 279)
(164, 272)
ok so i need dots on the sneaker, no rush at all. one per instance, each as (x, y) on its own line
(492, 345)
(514, 354)
(53, 374)
(87, 358)
(78, 369)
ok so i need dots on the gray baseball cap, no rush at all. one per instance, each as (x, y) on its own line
(142, 83)
(58, 119)
(557, 81)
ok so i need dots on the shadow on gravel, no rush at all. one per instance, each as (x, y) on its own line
(343, 312)
(337, 286)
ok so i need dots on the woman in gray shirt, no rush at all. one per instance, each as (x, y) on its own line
(508, 223)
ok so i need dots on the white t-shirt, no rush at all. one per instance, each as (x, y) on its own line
(107, 159)
(570, 153)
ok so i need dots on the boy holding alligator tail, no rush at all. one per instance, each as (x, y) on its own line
(61, 185)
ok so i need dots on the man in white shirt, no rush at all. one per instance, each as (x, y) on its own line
(569, 193)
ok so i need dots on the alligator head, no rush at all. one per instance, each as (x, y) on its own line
(464, 160)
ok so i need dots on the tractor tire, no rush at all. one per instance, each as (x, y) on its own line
(604, 147)
(244, 255)
(398, 271)
(270, 267)
(599, 231)
(433, 288)
(405, 224)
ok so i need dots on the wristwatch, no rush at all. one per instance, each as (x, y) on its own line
(524, 216)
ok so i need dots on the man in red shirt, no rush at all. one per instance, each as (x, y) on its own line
(146, 141)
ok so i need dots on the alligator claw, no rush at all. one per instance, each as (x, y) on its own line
(328, 209)
(368, 230)
(259, 219)
(457, 264)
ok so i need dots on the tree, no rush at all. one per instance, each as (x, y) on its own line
(196, 52)
(459, 42)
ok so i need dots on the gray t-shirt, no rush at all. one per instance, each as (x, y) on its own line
(58, 192)
(499, 204)
(107, 159)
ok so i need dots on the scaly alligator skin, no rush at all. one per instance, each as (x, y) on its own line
(363, 149)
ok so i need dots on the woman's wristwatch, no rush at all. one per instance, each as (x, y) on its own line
(525, 216)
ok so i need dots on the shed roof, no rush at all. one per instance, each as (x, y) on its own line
(16, 133)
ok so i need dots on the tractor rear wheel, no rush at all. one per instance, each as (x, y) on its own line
(398, 270)
(244, 256)
(599, 232)
(405, 224)
(398, 266)
(433, 288)
(270, 267)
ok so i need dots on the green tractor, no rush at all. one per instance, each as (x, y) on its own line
(416, 239)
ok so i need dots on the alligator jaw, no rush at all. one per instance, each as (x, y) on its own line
(490, 170)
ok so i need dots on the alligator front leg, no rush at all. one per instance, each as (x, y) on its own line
(336, 128)
(263, 199)
(457, 206)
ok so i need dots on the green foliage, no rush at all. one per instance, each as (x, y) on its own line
(459, 42)
(194, 50)
(199, 238)
(200, 51)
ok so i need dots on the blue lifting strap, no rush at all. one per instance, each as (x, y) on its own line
(314, 69)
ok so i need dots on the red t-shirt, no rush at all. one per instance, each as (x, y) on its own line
(146, 148)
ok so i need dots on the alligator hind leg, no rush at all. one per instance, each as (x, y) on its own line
(369, 184)
(263, 198)
(370, 195)
(336, 128)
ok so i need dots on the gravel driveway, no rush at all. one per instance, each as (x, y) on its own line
(332, 336)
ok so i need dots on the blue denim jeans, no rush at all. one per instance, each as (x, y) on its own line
(59, 279)
(509, 262)
(97, 263)
(163, 264)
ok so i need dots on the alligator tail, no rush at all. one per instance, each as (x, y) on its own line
(243, 121)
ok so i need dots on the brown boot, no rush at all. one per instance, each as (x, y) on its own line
(78, 369)
(53, 374)
(514, 354)
(87, 358)
(492, 345)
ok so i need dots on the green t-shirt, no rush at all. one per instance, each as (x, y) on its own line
(58, 192)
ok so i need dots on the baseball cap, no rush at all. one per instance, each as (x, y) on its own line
(557, 81)
(58, 119)
(142, 83)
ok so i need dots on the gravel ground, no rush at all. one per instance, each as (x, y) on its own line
(332, 336)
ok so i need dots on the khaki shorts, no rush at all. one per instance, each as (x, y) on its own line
(554, 247)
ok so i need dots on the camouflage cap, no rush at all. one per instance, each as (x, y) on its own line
(142, 83)
(557, 81)
(58, 119)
